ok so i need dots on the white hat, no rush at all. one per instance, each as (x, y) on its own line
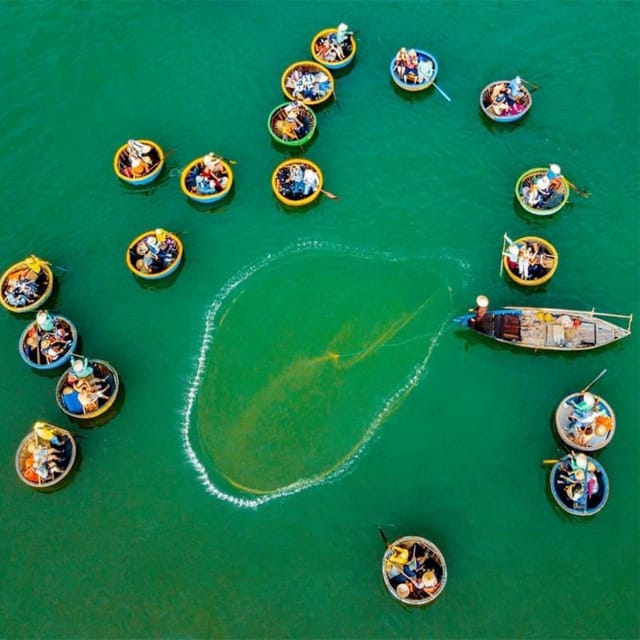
(588, 400)
(518, 79)
(403, 590)
(482, 301)
(555, 168)
(342, 27)
(543, 182)
(581, 461)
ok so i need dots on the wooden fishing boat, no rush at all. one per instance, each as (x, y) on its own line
(539, 200)
(414, 570)
(414, 70)
(579, 484)
(530, 260)
(585, 422)
(48, 341)
(87, 389)
(498, 106)
(297, 182)
(292, 124)
(45, 456)
(307, 81)
(334, 48)
(138, 162)
(207, 179)
(26, 285)
(154, 254)
(544, 328)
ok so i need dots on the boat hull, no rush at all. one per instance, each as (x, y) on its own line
(397, 573)
(579, 439)
(410, 86)
(40, 283)
(277, 115)
(586, 505)
(278, 181)
(548, 329)
(35, 357)
(553, 204)
(119, 162)
(486, 104)
(295, 92)
(548, 262)
(131, 261)
(335, 64)
(204, 198)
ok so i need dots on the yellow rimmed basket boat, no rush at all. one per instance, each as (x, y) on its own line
(26, 285)
(154, 254)
(207, 179)
(331, 49)
(530, 260)
(138, 162)
(297, 182)
(45, 456)
(307, 81)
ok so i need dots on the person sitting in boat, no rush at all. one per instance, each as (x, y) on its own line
(321, 85)
(311, 181)
(515, 91)
(80, 369)
(411, 67)
(400, 63)
(44, 321)
(44, 460)
(342, 35)
(296, 177)
(425, 70)
(555, 176)
(428, 582)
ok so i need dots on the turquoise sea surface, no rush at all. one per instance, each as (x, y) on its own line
(299, 382)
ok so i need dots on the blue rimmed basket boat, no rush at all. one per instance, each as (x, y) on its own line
(48, 347)
(500, 109)
(414, 78)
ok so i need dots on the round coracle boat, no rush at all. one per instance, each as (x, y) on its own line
(579, 484)
(87, 389)
(206, 179)
(154, 254)
(307, 81)
(585, 422)
(138, 162)
(529, 261)
(292, 124)
(48, 341)
(542, 191)
(297, 182)
(414, 69)
(45, 456)
(505, 100)
(414, 570)
(26, 285)
(334, 48)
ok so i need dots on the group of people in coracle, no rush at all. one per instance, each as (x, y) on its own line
(580, 478)
(528, 260)
(508, 98)
(155, 253)
(544, 191)
(209, 176)
(293, 121)
(586, 420)
(337, 46)
(48, 455)
(412, 67)
(297, 181)
(412, 572)
(48, 339)
(308, 84)
(138, 159)
(26, 284)
(83, 392)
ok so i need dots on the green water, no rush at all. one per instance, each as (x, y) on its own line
(411, 425)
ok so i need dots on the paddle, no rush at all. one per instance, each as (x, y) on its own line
(384, 538)
(215, 155)
(442, 92)
(331, 196)
(550, 461)
(504, 244)
(580, 192)
(534, 87)
(594, 381)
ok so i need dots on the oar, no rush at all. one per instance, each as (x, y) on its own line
(331, 196)
(549, 461)
(504, 242)
(535, 87)
(441, 91)
(580, 192)
(224, 159)
(594, 381)
(384, 538)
